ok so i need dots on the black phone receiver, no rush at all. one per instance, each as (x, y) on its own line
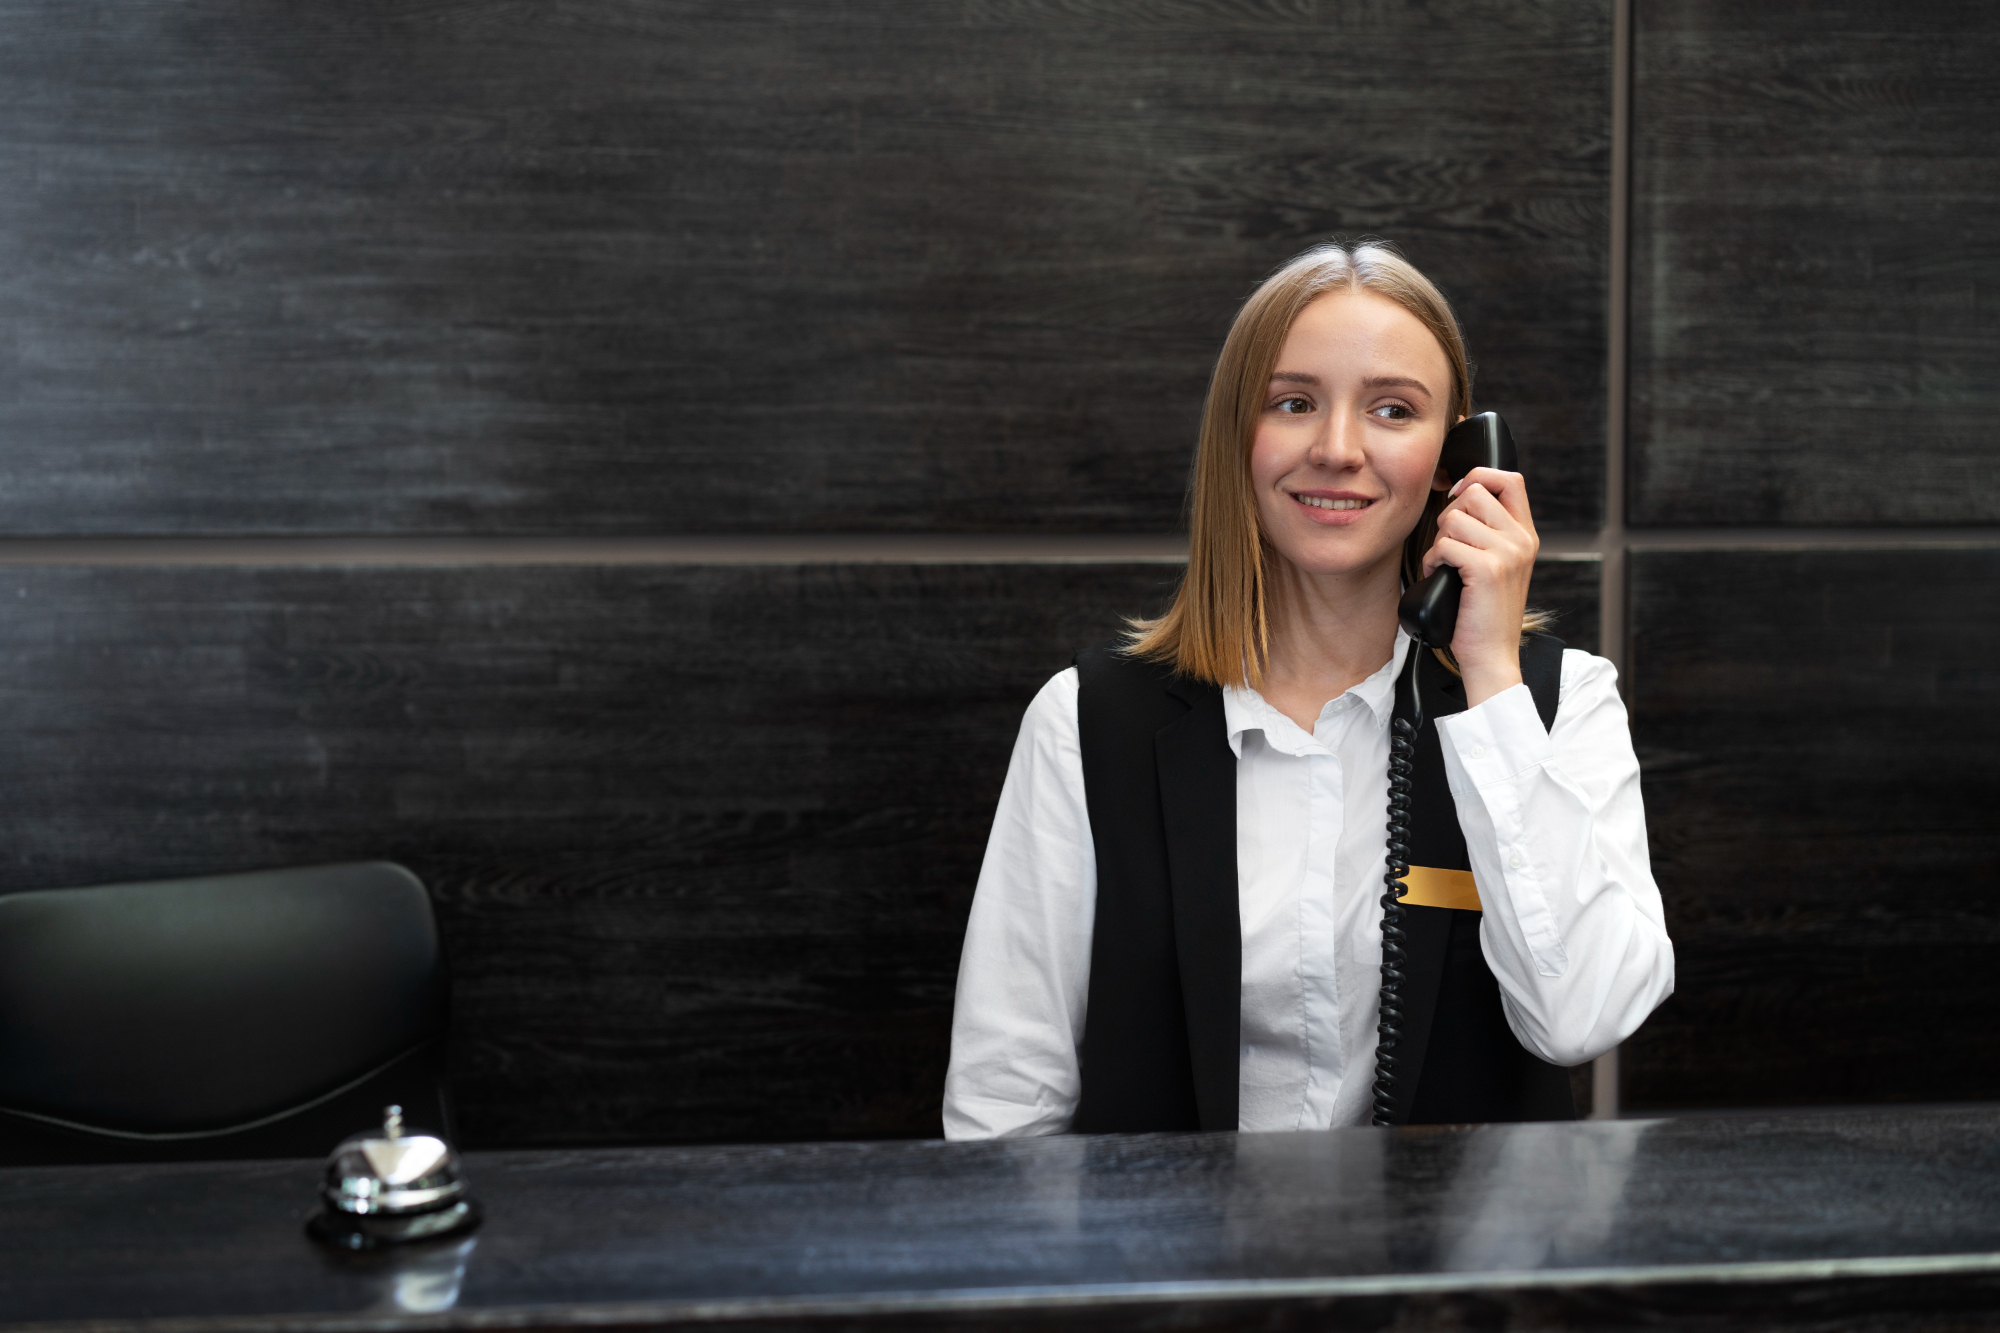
(1429, 610)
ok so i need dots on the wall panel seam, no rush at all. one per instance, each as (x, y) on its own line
(861, 548)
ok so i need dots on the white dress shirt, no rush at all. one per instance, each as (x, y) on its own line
(1572, 926)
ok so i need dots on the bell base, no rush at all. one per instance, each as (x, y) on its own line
(362, 1231)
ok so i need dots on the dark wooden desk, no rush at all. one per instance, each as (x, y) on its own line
(1890, 1218)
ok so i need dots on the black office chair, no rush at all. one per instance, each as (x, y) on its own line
(268, 1014)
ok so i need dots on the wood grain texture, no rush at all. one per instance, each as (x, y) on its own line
(1569, 589)
(1816, 731)
(1698, 1225)
(1816, 262)
(702, 839)
(628, 266)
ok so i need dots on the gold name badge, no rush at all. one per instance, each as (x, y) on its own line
(1431, 887)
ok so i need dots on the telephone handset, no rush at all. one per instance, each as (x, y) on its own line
(1429, 610)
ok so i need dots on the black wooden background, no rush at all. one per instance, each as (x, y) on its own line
(1816, 262)
(1819, 769)
(1816, 341)
(702, 836)
(652, 265)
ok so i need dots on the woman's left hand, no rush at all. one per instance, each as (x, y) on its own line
(1487, 532)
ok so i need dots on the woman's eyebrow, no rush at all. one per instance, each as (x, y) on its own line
(1375, 382)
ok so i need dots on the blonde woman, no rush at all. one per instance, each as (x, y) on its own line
(1179, 921)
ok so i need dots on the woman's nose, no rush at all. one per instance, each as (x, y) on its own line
(1337, 443)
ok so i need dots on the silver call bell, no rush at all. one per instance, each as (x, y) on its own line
(392, 1186)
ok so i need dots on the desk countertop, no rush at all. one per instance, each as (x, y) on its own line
(1753, 1221)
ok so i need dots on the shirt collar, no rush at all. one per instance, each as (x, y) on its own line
(1244, 709)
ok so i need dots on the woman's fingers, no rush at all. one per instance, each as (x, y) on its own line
(1488, 533)
(1467, 559)
(1508, 489)
(1473, 515)
(1474, 563)
(1447, 551)
(1480, 533)
(1479, 519)
(1498, 500)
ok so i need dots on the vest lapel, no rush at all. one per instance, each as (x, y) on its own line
(1198, 801)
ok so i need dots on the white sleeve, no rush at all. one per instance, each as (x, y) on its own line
(1573, 927)
(1024, 975)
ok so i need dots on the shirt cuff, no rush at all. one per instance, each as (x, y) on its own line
(1496, 741)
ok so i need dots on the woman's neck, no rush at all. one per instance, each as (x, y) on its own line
(1329, 632)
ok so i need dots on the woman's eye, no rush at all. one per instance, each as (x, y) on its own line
(1293, 406)
(1393, 412)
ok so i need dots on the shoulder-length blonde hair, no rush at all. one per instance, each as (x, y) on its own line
(1218, 628)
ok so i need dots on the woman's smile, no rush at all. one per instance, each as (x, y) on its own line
(1332, 509)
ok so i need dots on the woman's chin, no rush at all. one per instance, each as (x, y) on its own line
(1337, 560)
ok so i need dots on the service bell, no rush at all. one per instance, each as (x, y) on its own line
(392, 1187)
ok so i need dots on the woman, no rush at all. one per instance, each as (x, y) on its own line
(1179, 922)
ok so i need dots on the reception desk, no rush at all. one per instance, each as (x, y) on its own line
(1820, 1220)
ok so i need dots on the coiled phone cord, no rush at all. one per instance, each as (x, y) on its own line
(1388, 1030)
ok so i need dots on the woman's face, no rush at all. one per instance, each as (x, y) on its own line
(1347, 443)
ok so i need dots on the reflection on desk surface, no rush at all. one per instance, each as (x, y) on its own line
(690, 1233)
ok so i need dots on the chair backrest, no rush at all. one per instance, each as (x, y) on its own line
(266, 1014)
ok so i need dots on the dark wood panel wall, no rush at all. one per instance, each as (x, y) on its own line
(1816, 729)
(702, 836)
(702, 839)
(658, 266)
(1816, 262)
(1814, 345)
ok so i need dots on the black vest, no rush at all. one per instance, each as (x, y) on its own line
(1162, 1032)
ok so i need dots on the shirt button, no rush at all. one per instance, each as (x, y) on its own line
(1515, 861)
(1478, 750)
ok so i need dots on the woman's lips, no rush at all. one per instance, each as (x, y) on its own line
(1332, 511)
